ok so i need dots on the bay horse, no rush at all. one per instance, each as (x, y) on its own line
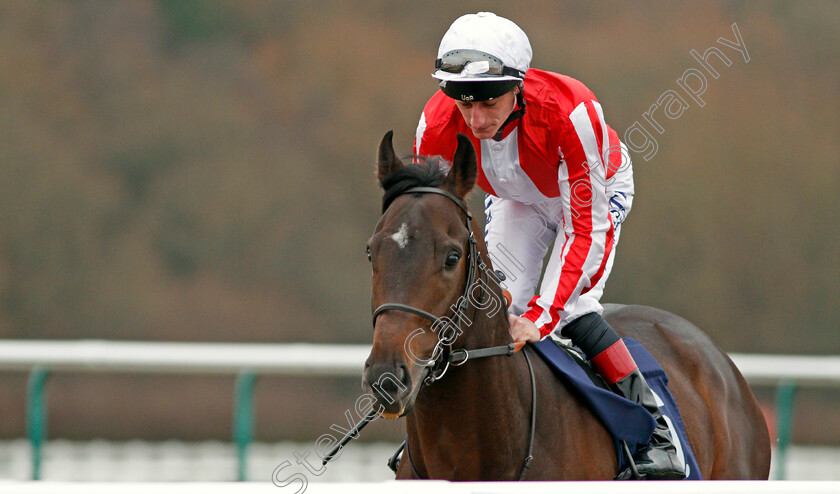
(430, 266)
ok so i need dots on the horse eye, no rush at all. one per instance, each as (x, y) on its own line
(367, 251)
(452, 259)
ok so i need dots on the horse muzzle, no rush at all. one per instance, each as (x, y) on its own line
(391, 384)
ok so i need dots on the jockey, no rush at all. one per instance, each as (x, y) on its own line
(557, 178)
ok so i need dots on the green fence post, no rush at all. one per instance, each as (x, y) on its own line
(784, 423)
(243, 420)
(36, 416)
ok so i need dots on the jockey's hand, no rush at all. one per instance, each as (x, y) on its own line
(523, 329)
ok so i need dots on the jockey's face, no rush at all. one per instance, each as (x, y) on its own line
(485, 118)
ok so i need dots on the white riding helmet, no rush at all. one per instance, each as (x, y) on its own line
(481, 57)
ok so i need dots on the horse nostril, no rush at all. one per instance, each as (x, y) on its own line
(388, 381)
(403, 375)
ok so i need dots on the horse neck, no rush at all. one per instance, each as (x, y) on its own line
(474, 407)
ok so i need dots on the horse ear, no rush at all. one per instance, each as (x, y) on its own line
(388, 161)
(464, 168)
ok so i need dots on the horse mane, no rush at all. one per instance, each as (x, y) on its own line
(426, 172)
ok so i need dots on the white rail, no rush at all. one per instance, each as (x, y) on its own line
(183, 358)
(770, 369)
(307, 359)
(251, 359)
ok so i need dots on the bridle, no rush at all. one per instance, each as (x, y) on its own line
(443, 355)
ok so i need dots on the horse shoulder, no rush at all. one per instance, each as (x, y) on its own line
(569, 436)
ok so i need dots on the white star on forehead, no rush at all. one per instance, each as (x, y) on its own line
(401, 237)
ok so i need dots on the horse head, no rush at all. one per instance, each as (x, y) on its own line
(425, 261)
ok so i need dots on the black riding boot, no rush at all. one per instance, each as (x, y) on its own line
(658, 460)
(610, 357)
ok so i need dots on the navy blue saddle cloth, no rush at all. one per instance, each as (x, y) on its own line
(623, 419)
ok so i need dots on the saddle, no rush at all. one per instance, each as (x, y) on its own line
(627, 422)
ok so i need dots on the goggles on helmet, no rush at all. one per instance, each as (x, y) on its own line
(476, 63)
(477, 91)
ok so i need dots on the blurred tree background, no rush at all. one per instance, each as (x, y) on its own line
(203, 171)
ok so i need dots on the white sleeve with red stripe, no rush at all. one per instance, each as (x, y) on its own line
(588, 229)
(418, 134)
